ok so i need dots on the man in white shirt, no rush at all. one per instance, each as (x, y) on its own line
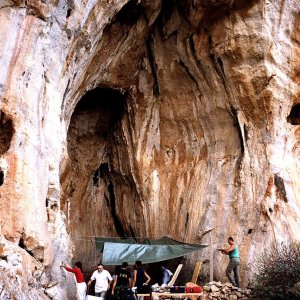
(103, 281)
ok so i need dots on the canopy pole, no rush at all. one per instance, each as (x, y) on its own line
(211, 258)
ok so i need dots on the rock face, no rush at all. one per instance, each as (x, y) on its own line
(145, 118)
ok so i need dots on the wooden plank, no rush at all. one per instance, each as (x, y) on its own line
(196, 272)
(174, 277)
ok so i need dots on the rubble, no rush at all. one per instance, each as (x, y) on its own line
(216, 291)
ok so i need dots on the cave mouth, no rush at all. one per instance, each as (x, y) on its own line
(130, 13)
(104, 105)
(7, 131)
(94, 125)
(294, 116)
(88, 179)
(1, 177)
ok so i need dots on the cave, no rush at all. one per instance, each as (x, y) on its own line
(294, 116)
(1, 177)
(119, 182)
(101, 106)
(144, 119)
(93, 182)
(7, 131)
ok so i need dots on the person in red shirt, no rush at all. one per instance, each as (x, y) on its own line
(80, 283)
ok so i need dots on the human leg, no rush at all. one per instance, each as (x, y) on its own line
(236, 271)
(117, 294)
(81, 291)
(229, 269)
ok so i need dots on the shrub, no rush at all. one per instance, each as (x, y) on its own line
(277, 269)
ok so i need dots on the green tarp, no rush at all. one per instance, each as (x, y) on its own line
(116, 251)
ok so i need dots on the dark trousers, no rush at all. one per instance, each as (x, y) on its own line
(123, 292)
(234, 265)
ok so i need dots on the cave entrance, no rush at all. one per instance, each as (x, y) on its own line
(90, 178)
(7, 132)
(103, 107)
(294, 116)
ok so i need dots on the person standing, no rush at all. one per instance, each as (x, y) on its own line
(140, 277)
(80, 283)
(117, 270)
(103, 281)
(166, 275)
(122, 282)
(234, 263)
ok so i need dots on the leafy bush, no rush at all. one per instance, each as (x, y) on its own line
(277, 270)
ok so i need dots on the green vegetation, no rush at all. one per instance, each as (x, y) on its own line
(277, 270)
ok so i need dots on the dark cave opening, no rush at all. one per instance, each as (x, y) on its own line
(68, 13)
(1, 177)
(280, 187)
(87, 180)
(112, 202)
(294, 116)
(99, 173)
(7, 131)
(96, 177)
(23, 246)
(130, 13)
(104, 104)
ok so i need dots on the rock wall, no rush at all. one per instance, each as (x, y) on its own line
(145, 118)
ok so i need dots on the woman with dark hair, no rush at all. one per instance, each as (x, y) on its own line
(140, 277)
(80, 283)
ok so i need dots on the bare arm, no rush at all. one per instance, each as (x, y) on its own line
(130, 282)
(228, 250)
(134, 278)
(148, 277)
(68, 268)
(91, 280)
(114, 285)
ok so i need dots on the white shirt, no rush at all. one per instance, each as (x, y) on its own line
(102, 279)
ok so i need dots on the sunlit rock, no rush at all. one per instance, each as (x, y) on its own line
(145, 118)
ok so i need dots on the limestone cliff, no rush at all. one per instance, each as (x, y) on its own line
(144, 118)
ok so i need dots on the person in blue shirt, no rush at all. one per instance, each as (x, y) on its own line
(234, 263)
(166, 275)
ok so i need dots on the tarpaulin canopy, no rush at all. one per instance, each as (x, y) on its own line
(116, 251)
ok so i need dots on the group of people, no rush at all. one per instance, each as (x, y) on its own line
(124, 280)
(120, 282)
